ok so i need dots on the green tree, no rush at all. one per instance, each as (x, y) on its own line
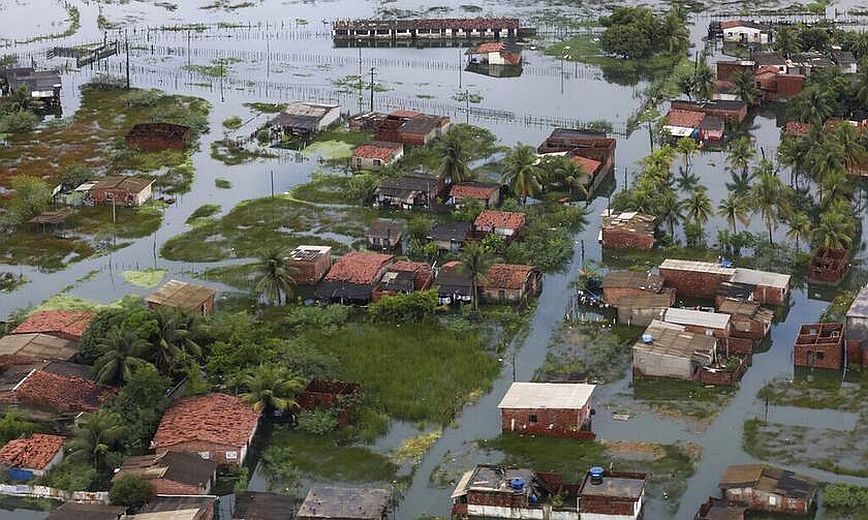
(834, 185)
(835, 229)
(697, 206)
(123, 351)
(271, 388)
(686, 147)
(741, 153)
(704, 81)
(140, 404)
(131, 491)
(175, 339)
(800, 226)
(744, 86)
(861, 84)
(475, 261)
(521, 171)
(411, 307)
(13, 425)
(96, 435)
(572, 176)
(765, 200)
(133, 316)
(813, 105)
(632, 32)
(360, 188)
(453, 165)
(786, 42)
(733, 208)
(668, 209)
(31, 196)
(275, 281)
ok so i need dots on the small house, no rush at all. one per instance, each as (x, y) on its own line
(804, 63)
(157, 137)
(769, 59)
(719, 509)
(53, 386)
(495, 53)
(454, 284)
(551, 409)
(373, 155)
(84, 510)
(409, 191)
(386, 234)
(353, 278)
(828, 265)
(618, 284)
(449, 236)
(734, 111)
(172, 473)
(712, 129)
(215, 426)
(820, 345)
(856, 329)
(744, 32)
(505, 224)
(486, 194)
(43, 85)
(668, 350)
(121, 190)
(733, 291)
(715, 324)
(38, 347)
(410, 127)
(339, 503)
(259, 505)
(67, 325)
(303, 118)
(32, 456)
(683, 123)
(846, 62)
(333, 395)
(612, 495)
(187, 297)
(627, 229)
(585, 143)
(768, 288)
(642, 308)
(694, 279)
(777, 85)
(764, 488)
(511, 283)
(308, 264)
(406, 276)
(176, 507)
(750, 321)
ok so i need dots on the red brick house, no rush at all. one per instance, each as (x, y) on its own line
(764, 488)
(218, 427)
(768, 288)
(308, 264)
(612, 494)
(820, 345)
(353, 278)
(488, 195)
(156, 137)
(188, 297)
(54, 386)
(68, 325)
(828, 265)
(410, 127)
(592, 145)
(694, 279)
(751, 323)
(552, 409)
(718, 509)
(627, 229)
(715, 324)
(620, 284)
(121, 190)
(510, 283)
(376, 154)
(32, 456)
(729, 110)
(172, 473)
(405, 276)
(506, 224)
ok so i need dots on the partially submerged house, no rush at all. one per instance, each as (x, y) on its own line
(215, 426)
(734, 111)
(719, 509)
(486, 194)
(258, 505)
(333, 395)
(43, 85)
(828, 265)
(187, 297)
(745, 32)
(503, 53)
(308, 264)
(406, 276)
(510, 283)
(619, 284)
(627, 229)
(303, 118)
(683, 123)
(750, 324)
(120, 190)
(157, 137)
(373, 155)
(820, 345)
(172, 472)
(668, 350)
(410, 127)
(856, 329)
(759, 487)
(409, 191)
(584, 143)
(551, 409)
(612, 495)
(344, 503)
(386, 234)
(698, 279)
(454, 284)
(768, 288)
(449, 236)
(505, 224)
(353, 278)
(31, 456)
(715, 324)
(643, 308)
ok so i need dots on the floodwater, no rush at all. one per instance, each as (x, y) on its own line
(277, 58)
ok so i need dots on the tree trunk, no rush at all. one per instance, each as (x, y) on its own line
(475, 286)
(771, 242)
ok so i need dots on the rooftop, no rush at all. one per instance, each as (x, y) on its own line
(378, 150)
(859, 307)
(408, 183)
(34, 452)
(131, 184)
(616, 484)
(712, 320)
(186, 468)
(309, 253)
(560, 396)
(752, 309)
(81, 511)
(769, 479)
(672, 340)
(181, 295)
(732, 24)
(447, 231)
(345, 503)
(697, 266)
(503, 46)
(38, 346)
(67, 391)
(684, 118)
(358, 267)
(763, 278)
(508, 276)
(217, 418)
(67, 323)
(475, 190)
(171, 503)
(252, 505)
(386, 228)
(633, 280)
(492, 478)
(768, 58)
(630, 221)
(421, 271)
(500, 220)
(645, 301)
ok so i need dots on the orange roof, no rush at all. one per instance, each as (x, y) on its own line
(358, 267)
(71, 392)
(424, 272)
(500, 219)
(215, 418)
(796, 128)
(685, 118)
(589, 165)
(68, 323)
(384, 151)
(34, 452)
(507, 276)
(405, 114)
(490, 47)
(474, 191)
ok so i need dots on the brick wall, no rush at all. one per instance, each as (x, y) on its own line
(760, 501)
(740, 345)
(607, 505)
(723, 378)
(620, 238)
(170, 487)
(809, 356)
(553, 423)
(693, 284)
(216, 452)
(498, 499)
(769, 295)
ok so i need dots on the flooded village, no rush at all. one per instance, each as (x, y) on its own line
(392, 259)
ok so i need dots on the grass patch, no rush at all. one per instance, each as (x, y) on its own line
(148, 278)
(414, 448)
(584, 350)
(44, 251)
(202, 212)
(642, 259)
(65, 302)
(233, 123)
(674, 397)
(266, 108)
(223, 184)
(323, 189)
(820, 392)
(231, 153)
(96, 221)
(240, 276)
(329, 150)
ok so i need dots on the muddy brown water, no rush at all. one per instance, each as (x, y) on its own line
(285, 60)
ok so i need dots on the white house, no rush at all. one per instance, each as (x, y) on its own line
(740, 31)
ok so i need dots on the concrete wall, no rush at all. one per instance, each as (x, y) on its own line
(693, 284)
(662, 365)
(765, 501)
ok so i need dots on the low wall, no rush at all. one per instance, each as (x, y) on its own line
(26, 490)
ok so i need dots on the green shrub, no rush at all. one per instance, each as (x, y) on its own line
(409, 307)
(846, 497)
(131, 491)
(263, 135)
(13, 425)
(233, 122)
(317, 422)
(70, 476)
(18, 122)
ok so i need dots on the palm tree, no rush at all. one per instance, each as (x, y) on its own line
(704, 81)
(668, 209)
(271, 388)
(861, 84)
(793, 153)
(741, 153)
(732, 209)
(765, 199)
(744, 86)
(800, 227)
(453, 165)
(813, 106)
(521, 171)
(175, 337)
(697, 206)
(740, 183)
(786, 42)
(853, 153)
(687, 181)
(834, 185)
(676, 32)
(572, 175)
(275, 276)
(96, 434)
(475, 261)
(835, 230)
(686, 147)
(123, 351)
(824, 157)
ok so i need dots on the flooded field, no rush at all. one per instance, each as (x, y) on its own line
(274, 52)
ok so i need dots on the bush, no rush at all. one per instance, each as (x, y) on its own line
(131, 491)
(31, 197)
(317, 422)
(18, 122)
(233, 122)
(13, 425)
(846, 497)
(136, 317)
(263, 136)
(70, 476)
(410, 307)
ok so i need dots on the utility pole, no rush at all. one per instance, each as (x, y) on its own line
(460, 66)
(467, 107)
(188, 48)
(127, 51)
(373, 70)
(272, 184)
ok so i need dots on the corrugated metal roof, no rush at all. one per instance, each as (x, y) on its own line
(859, 308)
(693, 265)
(563, 396)
(764, 278)
(711, 320)
(671, 340)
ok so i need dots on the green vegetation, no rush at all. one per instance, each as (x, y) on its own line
(233, 123)
(230, 152)
(678, 398)
(585, 350)
(131, 491)
(818, 393)
(218, 68)
(203, 212)
(845, 497)
(146, 278)
(266, 108)
(414, 448)
(96, 221)
(324, 189)
(222, 184)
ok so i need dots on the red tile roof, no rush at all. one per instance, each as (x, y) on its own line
(589, 165)
(475, 191)
(384, 151)
(216, 418)
(68, 323)
(62, 391)
(685, 118)
(467, 23)
(424, 272)
(766, 69)
(405, 114)
(358, 267)
(500, 219)
(485, 48)
(34, 452)
(507, 276)
(796, 128)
